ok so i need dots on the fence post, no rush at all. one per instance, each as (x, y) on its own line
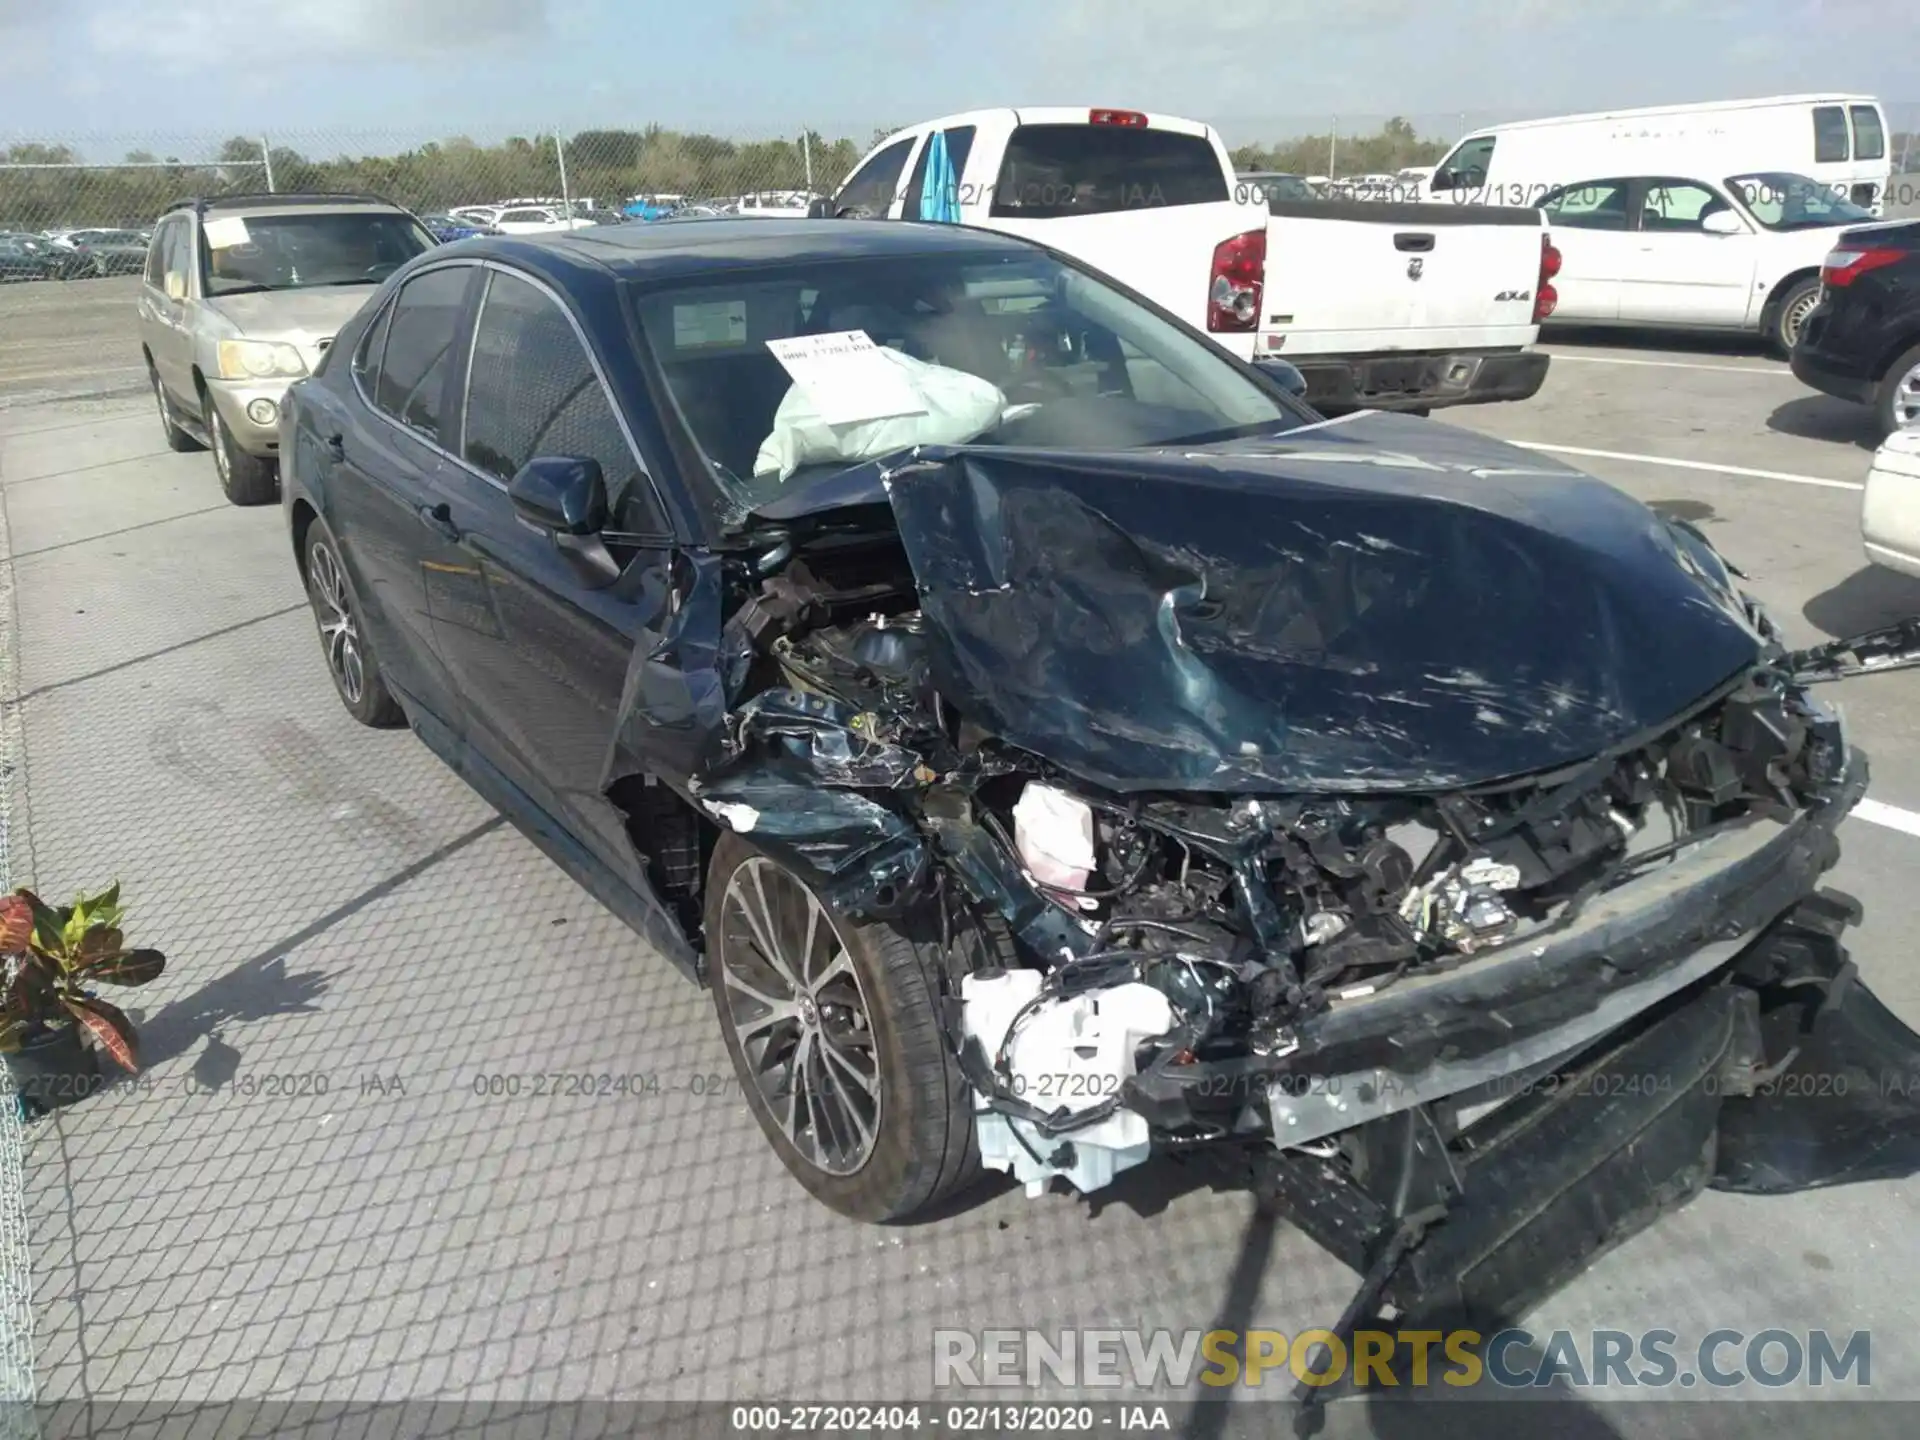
(560, 153)
(806, 153)
(1333, 150)
(266, 160)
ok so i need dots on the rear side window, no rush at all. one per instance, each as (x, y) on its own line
(1869, 136)
(1052, 171)
(533, 391)
(1466, 168)
(871, 188)
(1829, 135)
(959, 146)
(1592, 205)
(419, 337)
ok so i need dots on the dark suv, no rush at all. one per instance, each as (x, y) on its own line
(1862, 342)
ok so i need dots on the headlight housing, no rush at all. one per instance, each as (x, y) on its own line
(259, 360)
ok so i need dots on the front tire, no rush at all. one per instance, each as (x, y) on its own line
(344, 643)
(834, 1032)
(247, 479)
(1896, 404)
(1790, 312)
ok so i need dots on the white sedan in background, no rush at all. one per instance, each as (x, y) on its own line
(1890, 510)
(538, 220)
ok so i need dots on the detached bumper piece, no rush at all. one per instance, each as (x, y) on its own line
(1406, 382)
(1782, 1073)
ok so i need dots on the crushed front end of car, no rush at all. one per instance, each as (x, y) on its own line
(1428, 831)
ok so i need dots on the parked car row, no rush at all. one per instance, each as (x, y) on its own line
(71, 254)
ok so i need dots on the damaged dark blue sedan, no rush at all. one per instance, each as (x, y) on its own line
(1055, 747)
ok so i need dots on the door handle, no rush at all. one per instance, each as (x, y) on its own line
(336, 447)
(439, 519)
(1411, 242)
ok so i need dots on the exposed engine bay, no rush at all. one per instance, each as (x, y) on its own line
(1357, 955)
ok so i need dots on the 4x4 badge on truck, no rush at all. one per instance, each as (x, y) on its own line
(1506, 295)
(1414, 267)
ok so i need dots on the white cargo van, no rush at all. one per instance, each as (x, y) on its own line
(1838, 140)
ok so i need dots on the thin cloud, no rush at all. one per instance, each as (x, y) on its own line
(212, 33)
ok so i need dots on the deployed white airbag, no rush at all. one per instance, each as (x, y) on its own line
(950, 407)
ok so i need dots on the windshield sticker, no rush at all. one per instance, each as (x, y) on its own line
(848, 378)
(723, 322)
(225, 232)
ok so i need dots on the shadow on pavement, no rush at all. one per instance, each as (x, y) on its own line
(1821, 417)
(1681, 342)
(1870, 597)
(262, 986)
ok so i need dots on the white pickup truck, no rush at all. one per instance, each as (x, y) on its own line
(1383, 305)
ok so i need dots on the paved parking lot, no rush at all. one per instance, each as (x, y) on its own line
(311, 1195)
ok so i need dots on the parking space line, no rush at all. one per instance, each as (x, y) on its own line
(1781, 370)
(1874, 812)
(53, 685)
(1786, 477)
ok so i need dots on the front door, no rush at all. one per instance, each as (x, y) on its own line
(540, 650)
(1681, 273)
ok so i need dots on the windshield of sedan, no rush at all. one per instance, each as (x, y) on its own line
(302, 252)
(1783, 201)
(1015, 349)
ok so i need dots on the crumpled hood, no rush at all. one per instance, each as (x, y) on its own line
(1382, 603)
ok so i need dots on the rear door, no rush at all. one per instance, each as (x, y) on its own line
(165, 332)
(1681, 273)
(387, 463)
(1144, 199)
(1592, 229)
(541, 654)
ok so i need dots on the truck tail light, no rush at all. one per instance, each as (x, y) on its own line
(1233, 289)
(1131, 118)
(1545, 297)
(1842, 267)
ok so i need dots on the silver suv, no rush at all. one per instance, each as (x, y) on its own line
(242, 295)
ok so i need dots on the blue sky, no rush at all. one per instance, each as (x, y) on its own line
(317, 73)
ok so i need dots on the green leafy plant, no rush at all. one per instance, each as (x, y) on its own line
(54, 955)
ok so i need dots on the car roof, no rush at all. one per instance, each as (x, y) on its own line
(245, 206)
(653, 253)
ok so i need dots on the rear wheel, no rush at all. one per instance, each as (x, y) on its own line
(1790, 312)
(835, 1035)
(1897, 403)
(351, 663)
(247, 479)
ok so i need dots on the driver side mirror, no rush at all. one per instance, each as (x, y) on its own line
(176, 285)
(1285, 374)
(563, 494)
(1722, 222)
(820, 209)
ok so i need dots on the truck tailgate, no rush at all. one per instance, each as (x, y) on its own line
(1362, 277)
(1164, 252)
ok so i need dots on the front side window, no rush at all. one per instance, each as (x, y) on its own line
(1678, 206)
(1467, 167)
(250, 253)
(532, 391)
(157, 254)
(179, 252)
(872, 186)
(1075, 363)
(959, 146)
(425, 318)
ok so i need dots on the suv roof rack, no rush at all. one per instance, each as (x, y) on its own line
(200, 204)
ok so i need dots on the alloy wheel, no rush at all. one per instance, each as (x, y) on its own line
(1796, 317)
(1906, 401)
(338, 633)
(801, 1016)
